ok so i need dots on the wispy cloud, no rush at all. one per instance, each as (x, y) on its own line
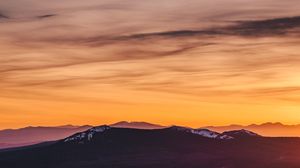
(146, 56)
(241, 57)
(46, 16)
(2, 16)
(270, 27)
(245, 29)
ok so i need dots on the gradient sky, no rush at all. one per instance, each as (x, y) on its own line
(194, 63)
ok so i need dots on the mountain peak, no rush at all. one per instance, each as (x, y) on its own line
(241, 133)
(206, 133)
(272, 124)
(86, 136)
(81, 137)
(179, 128)
(136, 125)
(202, 132)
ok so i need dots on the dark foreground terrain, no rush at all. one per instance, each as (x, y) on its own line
(173, 147)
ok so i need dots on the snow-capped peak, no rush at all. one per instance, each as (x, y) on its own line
(249, 132)
(202, 132)
(205, 132)
(240, 133)
(86, 135)
(224, 137)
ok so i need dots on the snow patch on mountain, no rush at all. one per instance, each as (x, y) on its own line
(202, 132)
(241, 133)
(87, 135)
(224, 137)
(205, 132)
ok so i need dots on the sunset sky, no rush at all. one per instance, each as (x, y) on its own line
(183, 62)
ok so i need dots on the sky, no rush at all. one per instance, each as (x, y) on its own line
(192, 63)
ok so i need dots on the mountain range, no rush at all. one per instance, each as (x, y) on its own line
(138, 125)
(32, 135)
(170, 147)
(267, 129)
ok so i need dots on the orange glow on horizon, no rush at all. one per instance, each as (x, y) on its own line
(148, 62)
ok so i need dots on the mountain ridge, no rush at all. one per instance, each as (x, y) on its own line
(19, 137)
(86, 136)
(137, 124)
(173, 146)
(272, 129)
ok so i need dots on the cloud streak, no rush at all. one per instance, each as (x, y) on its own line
(167, 52)
(2, 16)
(245, 29)
(270, 27)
